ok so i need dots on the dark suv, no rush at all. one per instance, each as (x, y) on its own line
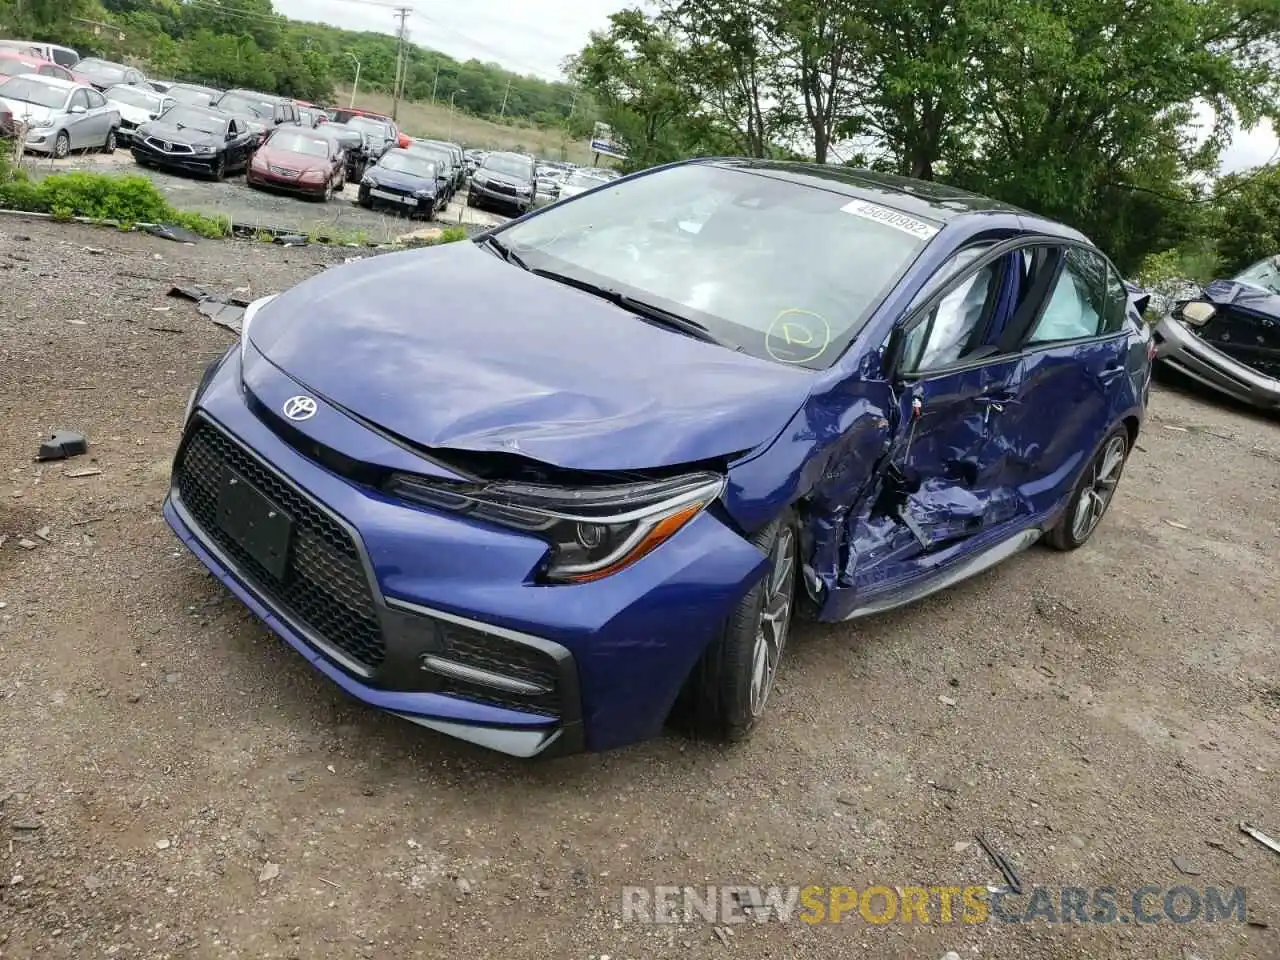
(503, 180)
(267, 108)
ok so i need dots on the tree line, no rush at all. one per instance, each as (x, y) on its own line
(245, 43)
(1110, 115)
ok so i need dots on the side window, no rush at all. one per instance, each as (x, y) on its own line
(1077, 305)
(233, 128)
(945, 335)
(80, 99)
(133, 76)
(66, 58)
(1117, 303)
(95, 98)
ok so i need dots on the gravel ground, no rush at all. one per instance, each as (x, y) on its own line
(177, 783)
(257, 208)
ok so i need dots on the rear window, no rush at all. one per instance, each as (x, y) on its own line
(784, 271)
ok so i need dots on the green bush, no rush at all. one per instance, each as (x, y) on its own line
(127, 200)
(451, 235)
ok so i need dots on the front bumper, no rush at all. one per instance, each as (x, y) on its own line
(189, 162)
(1181, 350)
(401, 203)
(481, 193)
(293, 185)
(437, 618)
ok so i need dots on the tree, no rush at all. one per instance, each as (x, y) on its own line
(1249, 225)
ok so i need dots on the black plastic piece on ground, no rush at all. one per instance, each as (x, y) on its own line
(63, 444)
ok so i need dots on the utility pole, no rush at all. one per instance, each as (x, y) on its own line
(435, 83)
(402, 13)
(355, 85)
(505, 94)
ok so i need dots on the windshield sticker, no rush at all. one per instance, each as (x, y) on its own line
(891, 218)
(797, 336)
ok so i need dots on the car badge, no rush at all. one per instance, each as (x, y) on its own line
(299, 408)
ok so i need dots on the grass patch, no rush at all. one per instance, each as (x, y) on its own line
(436, 121)
(126, 200)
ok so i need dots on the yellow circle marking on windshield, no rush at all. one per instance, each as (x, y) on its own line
(804, 339)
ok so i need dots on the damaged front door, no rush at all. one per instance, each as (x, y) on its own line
(941, 481)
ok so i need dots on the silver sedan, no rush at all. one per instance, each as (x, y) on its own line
(59, 116)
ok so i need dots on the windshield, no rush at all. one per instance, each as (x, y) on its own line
(30, 90)
(375, 127)
(297, 142)
(190, 95)
(1265, 275)
(405, 162)
(234, 103)
(135, 97)
(101, 70)
(783, 271)
(438, 154)
(509, 166)
(187, 119)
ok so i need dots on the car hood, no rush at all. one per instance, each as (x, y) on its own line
(31, 113)
(399, 180)
(186, 135)
(1245, 296)
(292, 160)
(135, 115)
(452, 348)
(503, 178)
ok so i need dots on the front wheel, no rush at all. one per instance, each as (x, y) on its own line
(110, 145)
(61, 145)
(1093, 493)
(218, 171)
(726, 694)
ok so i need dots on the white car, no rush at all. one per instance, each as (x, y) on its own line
(137, 105)
(62, 56)
(60, 116)
(581, 181)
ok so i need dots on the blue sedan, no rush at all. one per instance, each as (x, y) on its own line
(553, 488)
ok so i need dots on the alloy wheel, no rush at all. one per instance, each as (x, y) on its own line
(61, 145)
(774, 620)
(1098, 490)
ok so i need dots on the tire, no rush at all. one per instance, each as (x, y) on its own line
(110, 145)
(61, 145)
(1093, 493)
(471, 201)
(328, 192)
(218, 172)
(726, 694)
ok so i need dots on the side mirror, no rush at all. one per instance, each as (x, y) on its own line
(77, 108)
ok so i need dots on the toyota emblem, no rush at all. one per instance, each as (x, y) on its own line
(299, 408)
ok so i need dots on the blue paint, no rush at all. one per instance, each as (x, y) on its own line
(421, 362)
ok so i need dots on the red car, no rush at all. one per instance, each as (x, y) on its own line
(296, 160)
(13, 64)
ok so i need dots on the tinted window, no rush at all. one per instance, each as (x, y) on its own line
(1077, 305)
(66, 58)
(785, 271)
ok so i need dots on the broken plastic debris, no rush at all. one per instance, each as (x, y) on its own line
(291, 240)
(169, 231)
(1261, 837)
(63, 444)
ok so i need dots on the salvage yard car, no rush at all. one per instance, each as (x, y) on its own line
(192, 94)
(60, 116)
(299, 160)
(547, 489)
(194, 140)
(503, 180)
(104, 73)
(1228, 337)
(404, 181)
(136, 105)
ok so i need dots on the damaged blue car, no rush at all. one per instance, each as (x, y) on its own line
(554, 487)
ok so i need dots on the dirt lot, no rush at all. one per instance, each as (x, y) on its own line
(177, 783)
(257, 208)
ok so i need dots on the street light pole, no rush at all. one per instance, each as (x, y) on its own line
(355, 84)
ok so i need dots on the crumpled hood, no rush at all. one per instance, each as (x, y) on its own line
(455, 348)
(30, 113)
(1245, 296)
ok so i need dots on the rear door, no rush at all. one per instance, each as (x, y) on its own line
(1075, 341)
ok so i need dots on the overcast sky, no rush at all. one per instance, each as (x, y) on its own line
(535, 37)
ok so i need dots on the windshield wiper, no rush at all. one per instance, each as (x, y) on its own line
(506, 253)
(649, 311)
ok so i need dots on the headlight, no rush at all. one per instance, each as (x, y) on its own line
(368, 181)
(423, 194)
(593, 532)
(250, 312)
(1196, 312)
(203, 149)
(479, 179)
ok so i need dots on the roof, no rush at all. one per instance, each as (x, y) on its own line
(56, 82)
(935, 201)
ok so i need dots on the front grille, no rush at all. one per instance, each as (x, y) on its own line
(164, 146)
(508, 658)
(324, 587)
(502, 187)
(283, 171)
